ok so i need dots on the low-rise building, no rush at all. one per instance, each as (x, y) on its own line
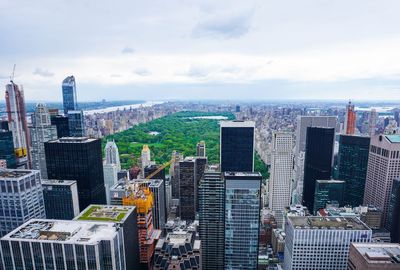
(374, 256)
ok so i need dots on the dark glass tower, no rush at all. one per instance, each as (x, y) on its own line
(237, 146)
(318, 160)
(352, 166)
(76, 123)
(211, 219)
(393, 222)
(61, 123)
(78, 159)
(7, 148)
(187, 189)
(69, 94)
(328, 191)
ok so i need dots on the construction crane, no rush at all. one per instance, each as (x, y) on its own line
(159, 169)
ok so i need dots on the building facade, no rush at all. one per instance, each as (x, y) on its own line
(393, 221)
(350, 120)
(352, 167)
(21, 198)
(327, 191)
(70, 102)
(237, 146)
(112, 154)
(110, 172)
(242, 219)
(61, 123)
(7, 148)
(79, 159)
(187, 188)
(60, 199)
(76, 123)
(374, 256)
(201, 149)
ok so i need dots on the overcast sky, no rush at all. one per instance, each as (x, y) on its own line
(182, 49)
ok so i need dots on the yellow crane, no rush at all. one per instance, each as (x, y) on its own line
(159, 169)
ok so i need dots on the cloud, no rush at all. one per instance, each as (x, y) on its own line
(43, 72)
(198, 71)
(115, 75)
(142, 72)
(127, 50)
(224, 25)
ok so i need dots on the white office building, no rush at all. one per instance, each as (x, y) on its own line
(110, 172)
(112, 154)
(317, 243)
(281, 174)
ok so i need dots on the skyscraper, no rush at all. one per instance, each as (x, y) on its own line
(242, 219)
(201, 149)
(373, 117)
(211, 219)
(7, 148)
(41, 131)
(321, 243)
(318, 160)
(237, 146)
(111, 154)
(60, 199)
(16, 114)
(393, 221)
(352, 166)
(61, 123)
(350, 120)
(201, 164)
(21, 198)
(69, 94)
(76, 123)
(187, 188)
(328, 191)
(383, 168)
(79, 159)
(145, 158)
(281, 173)
(110, 172)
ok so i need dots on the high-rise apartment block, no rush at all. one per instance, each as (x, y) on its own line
(352, 166)
(327, 191)
(187, 188)
(212, 219)
(69, 94)
(321, 242)
(383, 168)
(237, 146)
(7, 148)
(350, 120)
(281, 173)
(21, 198)
(78, 159)
(16, 116)
(393, 220)
(374, 256)
(60, 199)
(242, 219)
(41, 131)
(318, 160)
(64, 244)
(201, 149)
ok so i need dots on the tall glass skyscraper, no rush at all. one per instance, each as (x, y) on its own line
(318, 160)
(328, 191)
(7, 148)
(352, 166)
(242, 219)
(393, 222)
(76, 123)
(69, 94)
(237, 146)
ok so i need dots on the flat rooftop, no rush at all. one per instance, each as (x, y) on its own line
(379, 252)
(73, 140)
(327, 223)
(10, 173)
(121, 184)
(66, 231)
(331, 181)
(237, 123)
(55, 182)
(242, 174)
(393, 138)
(107, 213)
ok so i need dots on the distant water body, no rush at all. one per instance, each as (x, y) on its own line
(123, 107)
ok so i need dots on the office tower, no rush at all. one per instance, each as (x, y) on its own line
(60, 199)
(111, 154)
(76, 124)
(64, 244)
(211, 219)
(352, 166)
(237, 146)
(201, 149)
(150, 169)
(21, 198)
(78, 159)
(321, 242)
(350, 120)
(123, 174)
(187, 189)
(328, 191)
(69, 94)
(125, 218)
(17, 123)
(242, 219)
(237, 108)
(61, 123)
(142, 197)
(145, 157)
(373, 117)
(174, 172)
(281, 173)
(374, 256)
(41, 131)
(383, 168)
(298, 178)
(179, 250)
(110, 172)
(393, 221)
(318, 160)
(7, 148)
(201, 164)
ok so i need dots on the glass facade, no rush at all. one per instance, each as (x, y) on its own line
(69, 94)
(242, 220)
(7, 148)
(76, 124)
(60, 199)
(61, 123)
(393, 221)
(352, 166)
(328, 191)
(187, 181)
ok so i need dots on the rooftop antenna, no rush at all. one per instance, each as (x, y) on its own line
(12, 74)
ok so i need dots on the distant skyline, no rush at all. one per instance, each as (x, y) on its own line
(228, 50)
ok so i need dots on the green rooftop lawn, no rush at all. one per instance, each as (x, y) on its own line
(86, 215)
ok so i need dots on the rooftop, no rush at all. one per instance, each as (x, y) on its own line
(106, 213)
(14, 174)
(73, 140)
(327, 223)
(56, 182)
(379, 252)
(331, 181)
(242, 174)
(237, 123)
(67, 231)
(393, 138)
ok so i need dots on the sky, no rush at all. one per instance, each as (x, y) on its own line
(183, 49)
